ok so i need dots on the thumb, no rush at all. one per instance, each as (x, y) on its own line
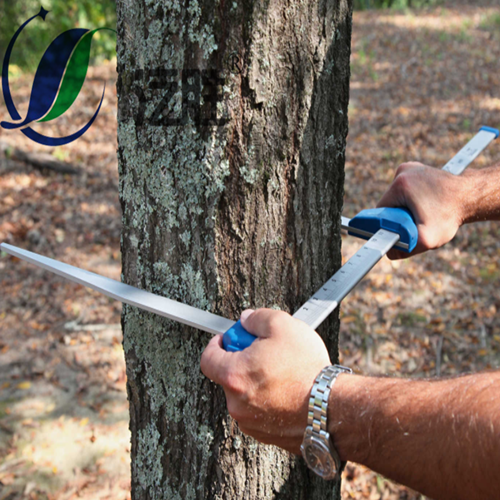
(215, 360)
(262, 322)
(245, 314)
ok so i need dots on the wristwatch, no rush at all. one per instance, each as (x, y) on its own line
(317, 447)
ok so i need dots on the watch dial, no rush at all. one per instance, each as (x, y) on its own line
(319, 459)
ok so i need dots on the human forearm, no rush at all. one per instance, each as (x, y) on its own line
(482, 196)
(440, 437)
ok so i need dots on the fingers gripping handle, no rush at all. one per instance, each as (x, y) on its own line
(237, 338)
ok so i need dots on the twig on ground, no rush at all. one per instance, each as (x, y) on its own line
(74, 326)
(38, 160)
(439, 349)
(44, 160)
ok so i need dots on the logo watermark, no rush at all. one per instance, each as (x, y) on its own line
(198, 90)
(57, 83)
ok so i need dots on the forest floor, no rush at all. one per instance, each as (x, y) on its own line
(422, 84)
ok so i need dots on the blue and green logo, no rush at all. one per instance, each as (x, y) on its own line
(58, 81)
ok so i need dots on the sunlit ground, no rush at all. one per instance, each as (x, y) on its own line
(422, 84)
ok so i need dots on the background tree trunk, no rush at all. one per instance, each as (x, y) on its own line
(224, 216)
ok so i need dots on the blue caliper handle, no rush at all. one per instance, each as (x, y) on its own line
(397, 220)
(492, 130)
(237, 338)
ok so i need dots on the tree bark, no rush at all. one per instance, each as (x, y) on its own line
(224, 211)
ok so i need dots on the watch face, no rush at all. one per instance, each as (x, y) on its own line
(319, 458)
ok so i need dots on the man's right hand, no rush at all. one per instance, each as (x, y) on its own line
(436, 200)
(268, 384)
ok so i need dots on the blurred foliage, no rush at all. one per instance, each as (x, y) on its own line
(491, 22)
(67, 14)
(63, 15)
(392, 4)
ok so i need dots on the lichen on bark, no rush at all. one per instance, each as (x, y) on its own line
(224, 217)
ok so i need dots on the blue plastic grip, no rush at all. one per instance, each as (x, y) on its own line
(492, 130)
(237, 338)
(397, 220)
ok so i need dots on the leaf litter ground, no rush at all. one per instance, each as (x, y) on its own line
(423, 82)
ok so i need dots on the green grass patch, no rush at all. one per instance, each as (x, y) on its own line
(490, 21)
(411, 319)
(4, 405)
(394, 4)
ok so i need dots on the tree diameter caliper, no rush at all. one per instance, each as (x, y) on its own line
(384, 228)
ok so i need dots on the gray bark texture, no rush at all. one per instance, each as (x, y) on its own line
(243, 212)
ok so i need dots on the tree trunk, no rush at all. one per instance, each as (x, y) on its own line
(232, 130)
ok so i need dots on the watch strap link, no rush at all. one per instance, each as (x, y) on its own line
(318, 401)
(317, 448)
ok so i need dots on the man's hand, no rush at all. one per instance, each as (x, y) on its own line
(268, 384)
(439, 437)
(436, 199)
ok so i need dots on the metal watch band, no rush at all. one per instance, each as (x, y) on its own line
(318, 401)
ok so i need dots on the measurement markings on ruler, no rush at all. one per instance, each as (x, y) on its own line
(313, 312)
(328, 297)
(469, 152)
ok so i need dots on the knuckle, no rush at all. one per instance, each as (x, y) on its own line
(234, 383)
(401, 182)
(426, 240)
(409, 166)
(402, 168)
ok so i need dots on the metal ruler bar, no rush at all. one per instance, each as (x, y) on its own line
(469, 152)
(329, 296)
(359, 232)
(188, 315)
